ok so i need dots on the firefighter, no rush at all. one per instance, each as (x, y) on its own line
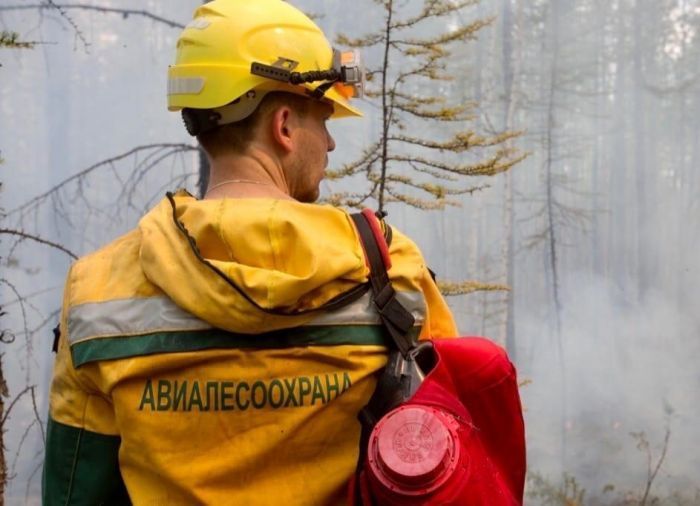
(220, 352)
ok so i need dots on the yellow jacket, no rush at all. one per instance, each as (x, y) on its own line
(174, 381)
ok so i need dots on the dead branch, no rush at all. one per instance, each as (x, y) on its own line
(41, 198)
(64, 15)
(31, 295)
(651, 474)
(36, 415)
(35, 238)
(22, 308)
(12, 405)
(138, 175)
(15, 458)
(125, 13)
(27, 430)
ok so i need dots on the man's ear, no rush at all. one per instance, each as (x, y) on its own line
(282, 124)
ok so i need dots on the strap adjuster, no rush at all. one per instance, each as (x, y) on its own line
(384, 297)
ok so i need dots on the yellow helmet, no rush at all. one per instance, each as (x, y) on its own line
(235, 51)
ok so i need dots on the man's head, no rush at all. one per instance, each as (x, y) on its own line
(262, 73)
(287, 128)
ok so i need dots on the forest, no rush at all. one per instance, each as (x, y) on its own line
(541, 153)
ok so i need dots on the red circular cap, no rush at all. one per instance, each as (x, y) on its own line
(414, 447)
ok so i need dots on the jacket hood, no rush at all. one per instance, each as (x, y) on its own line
(234, 263)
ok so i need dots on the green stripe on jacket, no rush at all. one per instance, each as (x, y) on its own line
(110, 348)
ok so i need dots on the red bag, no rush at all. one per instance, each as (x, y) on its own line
(455, 437)
(460, 440)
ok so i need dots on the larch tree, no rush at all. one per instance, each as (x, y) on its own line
(409, 84)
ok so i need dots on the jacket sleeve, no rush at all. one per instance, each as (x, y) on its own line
(439, 322)
(409, 272)
(81, 465)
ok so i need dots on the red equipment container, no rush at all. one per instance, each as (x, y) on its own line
(415, 454)
(459, 441)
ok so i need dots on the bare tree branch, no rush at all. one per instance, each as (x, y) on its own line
(643, 444)
(64, 15)
(15, 458)
(12, 405)
(109, 10)
(38, 239)
(36, 415)
(38, 467)
(40, 198)
(22, 308)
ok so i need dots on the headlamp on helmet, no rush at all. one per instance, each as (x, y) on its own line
(347, 74)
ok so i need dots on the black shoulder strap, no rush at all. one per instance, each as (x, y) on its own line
(396, 318)
(401, 376)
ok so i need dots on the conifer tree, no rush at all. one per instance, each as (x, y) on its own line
(408, 85)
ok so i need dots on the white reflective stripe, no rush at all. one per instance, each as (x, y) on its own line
(147, 315)
(129, 317)
(185, 85)
(362, 312)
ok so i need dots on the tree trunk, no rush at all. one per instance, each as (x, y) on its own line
(551, 228)
(644, 269)
(601, 89)
(512, 59)
(3, 463)
(618, 193)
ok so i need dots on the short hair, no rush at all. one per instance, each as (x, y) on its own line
(235, 137)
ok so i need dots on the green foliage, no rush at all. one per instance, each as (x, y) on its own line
(11, 40)
(408, 85)
(465, 287)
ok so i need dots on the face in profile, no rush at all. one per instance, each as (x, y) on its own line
(312, 144)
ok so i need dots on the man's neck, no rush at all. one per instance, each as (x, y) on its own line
(254, 174)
